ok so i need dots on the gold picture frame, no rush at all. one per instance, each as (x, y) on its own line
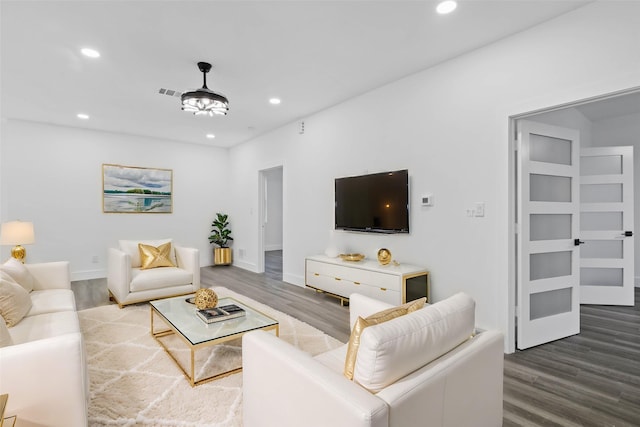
(134, 189)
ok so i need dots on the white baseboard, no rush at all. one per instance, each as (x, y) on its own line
(88, 275)
(294, 279)
(273, 247)
(245, 265)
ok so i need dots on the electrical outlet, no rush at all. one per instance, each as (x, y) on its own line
(95, 259)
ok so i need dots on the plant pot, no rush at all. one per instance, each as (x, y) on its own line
(222, 256)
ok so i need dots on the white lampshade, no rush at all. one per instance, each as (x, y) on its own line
(17, 233)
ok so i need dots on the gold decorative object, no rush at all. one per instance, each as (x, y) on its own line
(352, 257)
(384, 256)
(17, 233)
(205, 298)
(222, 256)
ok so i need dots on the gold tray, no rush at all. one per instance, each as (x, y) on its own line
(352, 257)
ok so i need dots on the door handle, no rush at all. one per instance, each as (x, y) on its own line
(577, 242)
(628, 233)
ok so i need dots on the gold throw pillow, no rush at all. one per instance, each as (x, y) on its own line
(374, 319)
(152, 257)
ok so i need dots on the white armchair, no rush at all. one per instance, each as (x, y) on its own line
(129, 284)
(420, 369)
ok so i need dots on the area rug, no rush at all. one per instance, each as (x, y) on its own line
(134, 382)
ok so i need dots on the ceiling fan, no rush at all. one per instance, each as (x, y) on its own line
(201, 101)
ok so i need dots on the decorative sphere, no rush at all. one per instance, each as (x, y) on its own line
(384, 256)
(205, 298)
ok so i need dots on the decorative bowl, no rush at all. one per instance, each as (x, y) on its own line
(384, 256)
(352, 257)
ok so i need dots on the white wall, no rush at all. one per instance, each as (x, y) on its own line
(273, 226)
(449, 126)
(52, 175)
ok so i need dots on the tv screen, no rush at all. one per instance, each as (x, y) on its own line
(377, 202)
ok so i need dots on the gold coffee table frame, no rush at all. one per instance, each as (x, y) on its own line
(3, 405)
(182, 321)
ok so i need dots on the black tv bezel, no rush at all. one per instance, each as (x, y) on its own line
(371, 229)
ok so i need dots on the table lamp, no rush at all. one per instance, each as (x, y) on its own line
(17, 233)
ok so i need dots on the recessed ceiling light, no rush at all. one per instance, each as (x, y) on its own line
(447, 6)
(91, 53)
(82, 116)
(274, 101)
(210, 136)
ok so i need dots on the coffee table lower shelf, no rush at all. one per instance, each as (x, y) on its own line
(191, 374)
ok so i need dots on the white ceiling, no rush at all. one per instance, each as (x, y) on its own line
(311, 54)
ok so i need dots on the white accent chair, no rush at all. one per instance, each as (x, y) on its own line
(420, 369)
(128, 284)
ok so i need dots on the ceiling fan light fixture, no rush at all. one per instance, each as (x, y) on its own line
(204, 101)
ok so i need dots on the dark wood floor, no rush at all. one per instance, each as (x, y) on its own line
(318, 310)
(590, 379)
(273, 264)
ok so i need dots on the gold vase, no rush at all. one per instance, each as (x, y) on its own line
(222, 256)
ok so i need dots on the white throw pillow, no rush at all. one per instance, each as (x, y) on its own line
(15, 301)
(131, 247)
(19, 273)
(391, 350)
(5, 337)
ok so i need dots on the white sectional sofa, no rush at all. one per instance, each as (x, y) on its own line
(426, 368)
(42, 363)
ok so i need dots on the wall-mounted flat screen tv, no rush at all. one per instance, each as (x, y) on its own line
(377, 203)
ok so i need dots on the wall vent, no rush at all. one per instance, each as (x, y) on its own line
(169, 92)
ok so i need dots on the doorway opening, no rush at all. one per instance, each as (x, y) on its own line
(271, 224)
(607, 121)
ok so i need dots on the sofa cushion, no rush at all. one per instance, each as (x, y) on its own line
(51, 300)
(45, 326)
(19, 273)
(333, 359)
(152, 257)
(157, 278)
(14, 300)
(391, 350)
(131, 247)
(5, 336)
(374, 319)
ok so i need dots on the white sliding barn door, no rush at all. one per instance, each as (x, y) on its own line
(548, 291)
(606, 205)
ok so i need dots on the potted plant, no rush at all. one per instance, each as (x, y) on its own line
(220, 236)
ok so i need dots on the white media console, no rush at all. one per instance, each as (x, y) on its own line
(395, 284)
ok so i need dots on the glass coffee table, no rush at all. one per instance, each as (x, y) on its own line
(180, 316)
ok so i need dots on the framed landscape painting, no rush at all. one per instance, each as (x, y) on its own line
(130, 189)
